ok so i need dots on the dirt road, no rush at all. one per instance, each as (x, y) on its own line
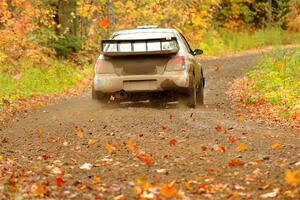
(126, 144)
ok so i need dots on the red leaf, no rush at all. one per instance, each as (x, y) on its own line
(173, 142)
(204, 148)
(59, 181)
(235, 163)
(218, 128)
(232, 139)
(165, 127)
(146, 159)
(104, 23)
(45, 157)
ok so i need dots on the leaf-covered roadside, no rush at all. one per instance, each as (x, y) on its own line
(272, 90)
(45, 173)
(32, 82)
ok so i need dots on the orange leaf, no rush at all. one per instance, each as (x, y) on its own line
(186, 185)
(79, 132)
(241, 147)
(96, 179)
(131, 146)
(218, 128)
(220, 148)
(39, 190)
(292, 177)
(217, 67)
(40, 133)
(104, 23)
(276, 146)
(235, 163)
(169, 190)
(111, 148)
(91, 142)
(173, 142)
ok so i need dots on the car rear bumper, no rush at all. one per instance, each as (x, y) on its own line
(109, 83)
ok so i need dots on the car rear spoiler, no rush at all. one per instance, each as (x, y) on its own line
(157, 46)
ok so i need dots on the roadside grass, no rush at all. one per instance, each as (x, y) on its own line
(26, 78)
(218, 42)
(277, 82)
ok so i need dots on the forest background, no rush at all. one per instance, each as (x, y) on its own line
(48, 46)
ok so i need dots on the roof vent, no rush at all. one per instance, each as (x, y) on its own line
(147, 27)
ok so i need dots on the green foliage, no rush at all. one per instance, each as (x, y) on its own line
(224, 41)
(33, 80)
(66, 45)
(277, 79)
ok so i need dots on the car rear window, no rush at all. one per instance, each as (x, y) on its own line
(142, 46)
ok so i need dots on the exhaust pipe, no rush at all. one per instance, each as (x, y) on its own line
(121, 95)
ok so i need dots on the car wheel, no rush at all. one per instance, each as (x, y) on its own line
(98, 96)
(192, 98)
(200, 91)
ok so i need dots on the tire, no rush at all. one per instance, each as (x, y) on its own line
(192, 98)
(200, 91)
(98, 96)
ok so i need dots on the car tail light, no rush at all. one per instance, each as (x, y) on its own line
(104, 67)
(177, 63)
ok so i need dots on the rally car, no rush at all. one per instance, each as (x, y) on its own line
(148, 59)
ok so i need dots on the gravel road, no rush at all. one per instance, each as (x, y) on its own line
(158, 143)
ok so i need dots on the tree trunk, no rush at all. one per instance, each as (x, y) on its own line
(110, 11)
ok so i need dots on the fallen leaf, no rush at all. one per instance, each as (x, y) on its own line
(131, 146)
(218, 128)
(161, 171)
(276, 146)
(96, 179)
(292, 177)
(59, 181)
(56, 170)
(235, 163)
(272, 194)
(111, 148)
(173, 142)
(65, 143)
(40, 133)
(45, 157)
(91, 142)
(220, 148)
(241, 147)
(120, 197)
(186, 185)
(39, 190)
(144, 158)
(79, 132)
(86, 166)
(165, 127)
(217, 67)
(169, 190)
(232, 139)
(204, 148)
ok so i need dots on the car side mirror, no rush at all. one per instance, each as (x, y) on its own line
(197, 52)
